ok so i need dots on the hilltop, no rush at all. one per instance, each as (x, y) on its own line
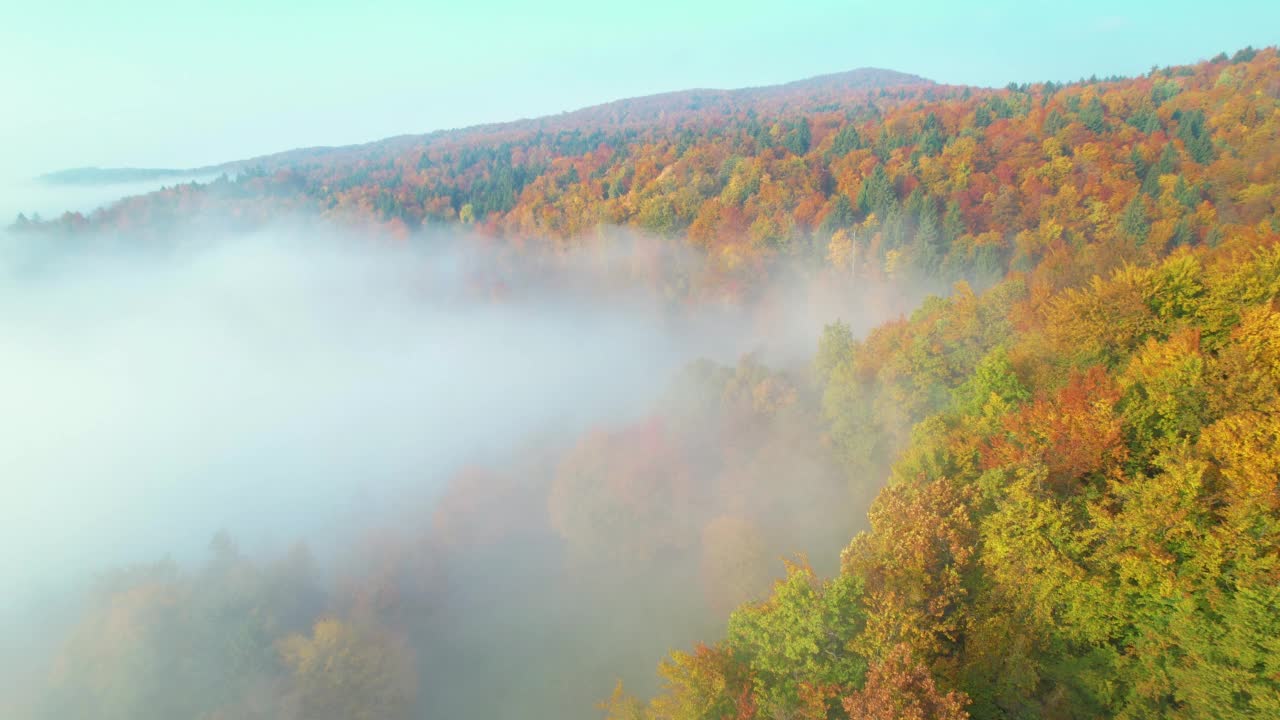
(637, 110)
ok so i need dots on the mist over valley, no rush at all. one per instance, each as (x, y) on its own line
(863, 395)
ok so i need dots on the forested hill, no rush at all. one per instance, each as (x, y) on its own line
(631, 111)
(878, 173)
(1073, 454)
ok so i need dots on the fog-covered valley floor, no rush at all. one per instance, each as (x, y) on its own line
(522, 476)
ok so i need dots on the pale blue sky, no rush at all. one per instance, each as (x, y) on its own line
(182, 83)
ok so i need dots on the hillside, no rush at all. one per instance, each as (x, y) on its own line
(1072, 452)
(1084, 523)
(997, 179)
(631, 111)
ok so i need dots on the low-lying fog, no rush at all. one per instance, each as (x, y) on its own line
(303, 384)
(31, 197)
(276, 384)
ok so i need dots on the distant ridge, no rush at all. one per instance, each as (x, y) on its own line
(635, 110)
(649, 107)
(111, 176)
(858, 79)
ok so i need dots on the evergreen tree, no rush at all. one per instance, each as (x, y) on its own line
(1093, 116)
(877, 194)
(846, 141)
(1166, 165)
(841, 215)
(1134, 223)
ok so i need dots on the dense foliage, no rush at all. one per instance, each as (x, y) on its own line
(1082, 513)
(1083, 522)
(1089, 525)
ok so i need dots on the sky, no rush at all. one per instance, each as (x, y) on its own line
(184, 83)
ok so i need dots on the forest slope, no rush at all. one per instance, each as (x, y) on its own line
(1082, 512)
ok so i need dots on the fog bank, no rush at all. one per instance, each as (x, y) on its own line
(31, 197)
(274, 385)
(502, 461)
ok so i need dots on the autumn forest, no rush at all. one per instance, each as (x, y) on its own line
(989, 424)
